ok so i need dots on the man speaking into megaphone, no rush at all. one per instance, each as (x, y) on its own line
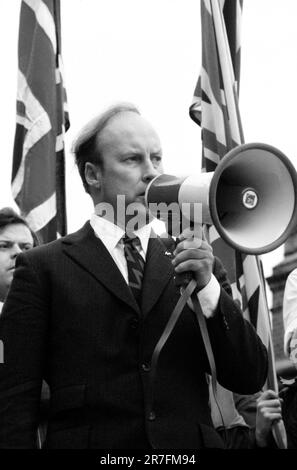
(86, 312)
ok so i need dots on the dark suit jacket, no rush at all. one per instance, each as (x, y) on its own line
(71, 319)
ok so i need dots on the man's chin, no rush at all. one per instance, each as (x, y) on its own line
(6, 282)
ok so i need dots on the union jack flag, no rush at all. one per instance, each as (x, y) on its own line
(209, 110)
(38, 171)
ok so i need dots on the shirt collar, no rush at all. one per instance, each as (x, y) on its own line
(111, 234)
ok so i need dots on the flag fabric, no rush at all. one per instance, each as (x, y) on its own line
(38, 171)
(209, 110)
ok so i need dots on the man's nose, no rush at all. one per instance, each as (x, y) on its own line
(149, 172)
(15, 250)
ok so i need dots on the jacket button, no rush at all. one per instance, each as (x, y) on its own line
(152, 416)
(145, 367)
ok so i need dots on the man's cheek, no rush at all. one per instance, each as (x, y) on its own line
(9, 276)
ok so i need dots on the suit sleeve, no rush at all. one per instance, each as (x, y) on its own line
(23, 328)
(240, 356)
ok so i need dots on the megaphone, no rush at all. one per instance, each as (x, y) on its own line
(250, 197)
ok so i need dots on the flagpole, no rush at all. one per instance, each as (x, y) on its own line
(237, 135)
(227, 72)
(278, 429)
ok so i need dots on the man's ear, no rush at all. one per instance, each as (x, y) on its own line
(93, 175)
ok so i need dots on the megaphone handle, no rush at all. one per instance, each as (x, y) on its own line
(182, 279)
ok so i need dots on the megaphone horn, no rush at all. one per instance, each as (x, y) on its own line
(251, 197)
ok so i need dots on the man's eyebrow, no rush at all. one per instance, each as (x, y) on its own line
(131, 152)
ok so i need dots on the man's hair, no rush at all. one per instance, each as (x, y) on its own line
(9, 217)
(86, 146)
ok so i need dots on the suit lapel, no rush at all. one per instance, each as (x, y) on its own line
(90, 253)
(157, 273)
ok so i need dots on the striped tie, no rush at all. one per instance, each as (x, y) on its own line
(135, 265)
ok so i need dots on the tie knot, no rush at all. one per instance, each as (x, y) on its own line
(131, 240)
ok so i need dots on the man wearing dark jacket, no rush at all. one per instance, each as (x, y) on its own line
(81, 318)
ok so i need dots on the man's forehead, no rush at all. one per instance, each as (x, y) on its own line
(128, 124)
(16, 232)
(123, 119)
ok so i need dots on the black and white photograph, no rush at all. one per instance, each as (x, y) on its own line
(148, 230)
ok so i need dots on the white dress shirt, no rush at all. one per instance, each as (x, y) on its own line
(112, 237)
(290, 309)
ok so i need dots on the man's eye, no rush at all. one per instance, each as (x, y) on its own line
(156, 160)
(26, 247)
(132, 159)
(4, 246)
